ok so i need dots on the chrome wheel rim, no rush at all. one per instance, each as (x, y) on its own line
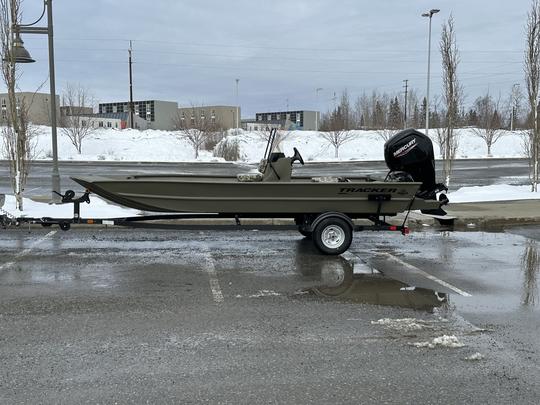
(333, 236)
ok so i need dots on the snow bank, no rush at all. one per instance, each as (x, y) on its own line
(98, 208)
(166, 146)
(499, 192)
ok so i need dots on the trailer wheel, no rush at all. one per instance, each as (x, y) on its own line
(332, 236)
(64, 226)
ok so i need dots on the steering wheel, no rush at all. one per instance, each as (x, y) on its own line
(297, 156)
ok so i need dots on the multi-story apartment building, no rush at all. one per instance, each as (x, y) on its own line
(301, 120)
(158, 114)
(38, 106)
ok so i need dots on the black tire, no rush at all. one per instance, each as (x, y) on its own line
(65, 226)
(332, 236)
(307, 234)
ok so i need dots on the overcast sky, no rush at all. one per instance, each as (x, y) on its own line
(281, 50)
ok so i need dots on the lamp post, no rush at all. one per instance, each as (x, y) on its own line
(514, 99)
(430, 15)
(237, 106)
(317, 113)
(21, 55)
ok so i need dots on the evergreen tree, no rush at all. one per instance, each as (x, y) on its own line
(395, 117)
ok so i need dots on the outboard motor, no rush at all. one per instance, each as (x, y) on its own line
(411, 152)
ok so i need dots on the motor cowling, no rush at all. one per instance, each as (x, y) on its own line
(412, 152)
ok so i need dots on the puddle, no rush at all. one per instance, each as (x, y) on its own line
(354, 281)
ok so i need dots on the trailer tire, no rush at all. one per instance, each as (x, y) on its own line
(65, 226)
(332, 235)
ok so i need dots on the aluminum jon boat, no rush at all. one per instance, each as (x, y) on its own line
(273, 192)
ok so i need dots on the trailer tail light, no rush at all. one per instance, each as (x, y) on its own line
(393, 228)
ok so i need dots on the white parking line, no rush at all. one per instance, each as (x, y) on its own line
(212, 274)
(423, 273)
(27, 250)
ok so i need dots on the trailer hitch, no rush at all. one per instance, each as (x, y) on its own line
(69, 195)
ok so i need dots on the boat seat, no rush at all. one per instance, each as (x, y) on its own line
(249, 177)
(329, 179)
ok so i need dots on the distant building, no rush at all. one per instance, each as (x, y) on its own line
(291, 120)
(254, 125)
(74, 110)
(157, 114)
(38, 104)
(222, 116)
(113, 120)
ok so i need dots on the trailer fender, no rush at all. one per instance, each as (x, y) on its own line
(326, 215)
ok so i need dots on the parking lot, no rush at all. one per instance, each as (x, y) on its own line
(99, 315)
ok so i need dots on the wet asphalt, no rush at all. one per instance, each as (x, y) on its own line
(118, 315)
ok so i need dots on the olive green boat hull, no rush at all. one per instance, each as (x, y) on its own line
(226, 195)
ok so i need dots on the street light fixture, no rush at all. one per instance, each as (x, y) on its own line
(430, 15)
(21, 55)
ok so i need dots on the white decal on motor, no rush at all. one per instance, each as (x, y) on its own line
(405, 148)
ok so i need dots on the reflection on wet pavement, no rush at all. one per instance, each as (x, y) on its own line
(354, 281)
(530, 262)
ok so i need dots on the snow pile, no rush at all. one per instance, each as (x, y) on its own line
(265, 293)
(442, 341)
(403, 324)
(499, 192)
(167, 146)
(125, 145)
(98, 208)
(475, 357)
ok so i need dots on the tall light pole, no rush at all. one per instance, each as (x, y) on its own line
(430, 15)
(237, 105)
(514, 99)
(317, 112)
(21, 55)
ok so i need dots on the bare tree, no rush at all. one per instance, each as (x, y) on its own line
(194, 127)
(488, 120)
(17, 133)
(532, 80)
(78, 103)
(452, 95)
(335, 133)
(336, 125)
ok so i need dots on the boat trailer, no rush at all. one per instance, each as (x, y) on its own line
(331, 231)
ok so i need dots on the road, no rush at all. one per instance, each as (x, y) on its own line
(474, 172)
(113, 315)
